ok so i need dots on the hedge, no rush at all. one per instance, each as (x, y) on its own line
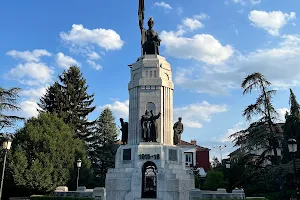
(59, 198)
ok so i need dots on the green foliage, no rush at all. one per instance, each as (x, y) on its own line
(59, 198)
(70, 101)
(44, 154)
(102, 145)
(263, 133)
(8, 102)
(214, 180)
(292, 127)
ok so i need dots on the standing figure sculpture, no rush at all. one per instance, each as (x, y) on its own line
(178, 129)
(150, 39)
(149, 126)
(145, 123)
(124, 130)
(153, 126)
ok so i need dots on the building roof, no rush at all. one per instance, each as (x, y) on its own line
(184, 143)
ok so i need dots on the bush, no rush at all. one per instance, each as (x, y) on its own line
(59, 198)
(214, 180)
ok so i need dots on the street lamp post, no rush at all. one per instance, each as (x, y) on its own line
(292, 145)
(78, 168)
(220, 147)
(227, 165)
(6, 147)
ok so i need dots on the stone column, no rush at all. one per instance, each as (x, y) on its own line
(151, 85)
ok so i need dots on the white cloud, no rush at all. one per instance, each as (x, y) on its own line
(272, 22)
(192, 24)
(193, 114)
(31, 73)
(33, 94)
(281, 113)
(236, 128)
(29, 109)
(119, 109)
(244, 2)
(163, 5)
(201, 16)
(201, 47)
(93, 56)
(28, 56)
(179, 11)
(94, 65)
(65, 61)
(83, 37)
(221, 78)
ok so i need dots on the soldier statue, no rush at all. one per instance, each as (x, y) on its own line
(124, 130)
(149, 126)
(178, 129)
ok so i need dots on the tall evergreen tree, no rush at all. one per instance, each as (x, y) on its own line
(261, 134)
(69, 99)
(53, 100)
(292, 126)
(8, 102)
(102, 145)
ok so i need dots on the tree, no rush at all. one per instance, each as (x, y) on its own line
(53, 100)
(102, 145)
(44, 154)
(70, 101)
(292, 126)
(262, 133)
(8, 102)
(214, 180)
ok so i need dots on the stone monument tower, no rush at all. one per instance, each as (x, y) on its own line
(149, 166)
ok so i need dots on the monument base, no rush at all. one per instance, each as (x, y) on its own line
(149, 171)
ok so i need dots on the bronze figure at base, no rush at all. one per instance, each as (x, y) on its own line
(178, 129)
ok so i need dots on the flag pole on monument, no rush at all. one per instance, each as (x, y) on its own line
(141, 21)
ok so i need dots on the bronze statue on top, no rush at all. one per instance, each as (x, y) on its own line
(178, 129)
(149, 126)
(150, 39)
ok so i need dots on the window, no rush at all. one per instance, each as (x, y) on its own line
(188, 159)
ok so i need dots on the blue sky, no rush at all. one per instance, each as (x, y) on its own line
(211, 45)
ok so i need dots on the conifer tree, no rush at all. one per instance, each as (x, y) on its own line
(69, 99)
(102, 145)
(292, 126)
(262, 134)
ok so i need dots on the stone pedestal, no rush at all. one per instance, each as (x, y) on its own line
(153, 170)
(125, 181)
(151, 88)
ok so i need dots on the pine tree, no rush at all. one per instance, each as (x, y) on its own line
(102, 145)
(70, 101)
(292, 126)
(52, 101)
(261, 134)
(8, 102)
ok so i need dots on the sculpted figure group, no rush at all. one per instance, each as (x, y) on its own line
(149, 128)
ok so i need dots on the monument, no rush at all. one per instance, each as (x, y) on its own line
(148, 165)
